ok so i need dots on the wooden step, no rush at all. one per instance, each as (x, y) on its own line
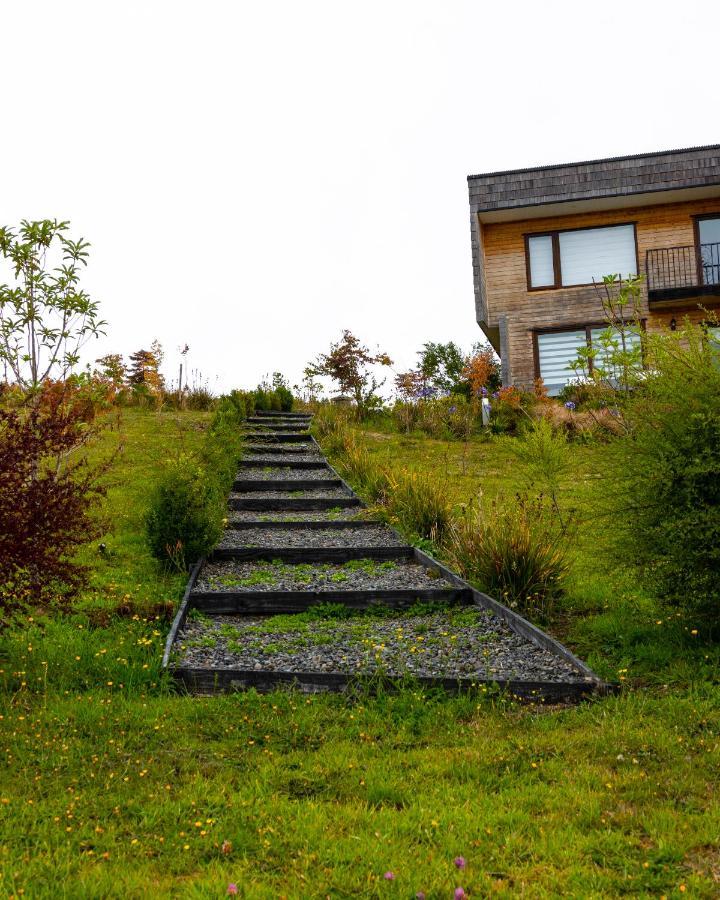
(310, 554)
(290, 484)
(276, 602)
(278, 504)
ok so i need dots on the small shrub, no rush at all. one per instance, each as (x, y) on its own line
(47, 494)
(511, 409)
(665, 478)
(184, 520)
(513, 551)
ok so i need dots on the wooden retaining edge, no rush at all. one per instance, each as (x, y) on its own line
(274, 427)
(290, 484)
(330, 523)
(182, 612)
(277, 414)
(274, 504)
(213, 681)
(275, 602)
(295, 437)
(512, 619)
(283, 463)
(310, 554)
(273, 448)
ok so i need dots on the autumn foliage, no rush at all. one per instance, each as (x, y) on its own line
(47, 493)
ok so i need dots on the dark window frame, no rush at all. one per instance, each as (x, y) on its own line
(587, 327)
(698, 253)
(557, 267)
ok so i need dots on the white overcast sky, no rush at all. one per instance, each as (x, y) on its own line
(256, 176)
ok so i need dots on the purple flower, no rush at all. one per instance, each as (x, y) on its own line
(420, 895)
(232, 889)
(389, 876)
(570, 405)
(460, 894)
(484, 391)
(453, 409)
(460, 862)
(614, 412)
(495, 395)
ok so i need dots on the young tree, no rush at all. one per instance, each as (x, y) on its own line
(45, 317)
(144, 370)
(348, 363)
(111, 369)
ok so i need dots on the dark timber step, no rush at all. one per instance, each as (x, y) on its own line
(276, 504)
(278, 414)
(312, 524)
(277, 427)
(213, 681)
(310, 554)
(284, 437)
(263, 448)
(276, 602)
(283, 463)
(276, 484)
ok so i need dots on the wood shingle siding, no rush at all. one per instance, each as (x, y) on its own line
(664, 171)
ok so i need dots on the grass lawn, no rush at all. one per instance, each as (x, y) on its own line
(115, 786)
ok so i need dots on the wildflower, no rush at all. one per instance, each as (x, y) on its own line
(569, 405)
(495, 395)
(389, 876)
(226, 847)
(460, 862)
(420, 895)
(452, 410)
(232, 889)
(460, 894)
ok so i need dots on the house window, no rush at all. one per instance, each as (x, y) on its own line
(579, 257)
(709, 249)
(558, 350)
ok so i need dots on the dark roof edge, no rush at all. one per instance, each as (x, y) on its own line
(590, 162)
(560, 200)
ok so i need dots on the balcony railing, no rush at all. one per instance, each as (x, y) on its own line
(676, 272)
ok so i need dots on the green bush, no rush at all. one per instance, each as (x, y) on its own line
(185, 518)
(666, 473)
(512, 550)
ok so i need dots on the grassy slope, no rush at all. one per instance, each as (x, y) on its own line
(123, 789)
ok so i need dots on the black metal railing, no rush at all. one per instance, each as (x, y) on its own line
(683, 269)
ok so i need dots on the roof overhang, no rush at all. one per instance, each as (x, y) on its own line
(597, 204)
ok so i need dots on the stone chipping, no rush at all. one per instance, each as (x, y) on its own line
(429, 639)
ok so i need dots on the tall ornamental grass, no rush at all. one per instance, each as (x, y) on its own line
(512, 550)
(418, 503)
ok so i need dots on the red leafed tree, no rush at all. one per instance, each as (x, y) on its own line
(47, 495)
(348, 363)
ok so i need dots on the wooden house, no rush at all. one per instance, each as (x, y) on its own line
(541, 238)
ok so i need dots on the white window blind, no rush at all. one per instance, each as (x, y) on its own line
(556, 351)
(540, 251)
(593, 252)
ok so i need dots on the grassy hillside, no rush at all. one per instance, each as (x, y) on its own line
(114, 786)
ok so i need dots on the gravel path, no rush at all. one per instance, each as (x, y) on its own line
(465, 643)
(282, 474)
(357, 575)
(301, 515)
(338, 493)
(311, 537)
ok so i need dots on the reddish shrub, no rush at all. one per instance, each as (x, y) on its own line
(47, 491)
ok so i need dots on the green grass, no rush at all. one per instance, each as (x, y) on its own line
(112, 785)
